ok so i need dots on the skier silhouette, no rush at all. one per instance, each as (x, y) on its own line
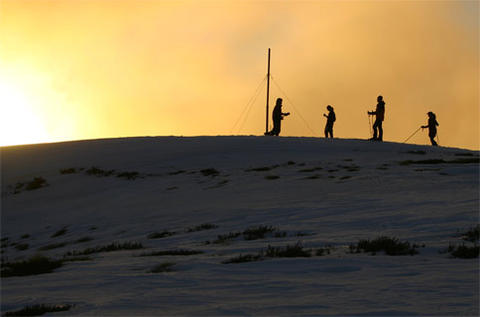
(277, 117)
(330, 120)
(432, 127)
(379, 116)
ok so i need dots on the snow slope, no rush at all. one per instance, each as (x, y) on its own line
(319, 192)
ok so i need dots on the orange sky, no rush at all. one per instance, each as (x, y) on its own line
(76, 69)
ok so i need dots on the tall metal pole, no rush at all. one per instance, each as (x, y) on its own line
(268, 89)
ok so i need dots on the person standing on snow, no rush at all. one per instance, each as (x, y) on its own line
(277, 117)
(330, 120)
(379, 116)
(432, 127)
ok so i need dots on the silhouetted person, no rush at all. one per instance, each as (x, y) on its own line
(432, 127)
(379, 116)
(330, 120)
(277, 117)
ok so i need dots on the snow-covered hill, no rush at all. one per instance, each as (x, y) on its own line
(203, 193)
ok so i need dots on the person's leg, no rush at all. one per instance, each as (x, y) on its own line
(380, 131)
(375, 127)
(326, 131)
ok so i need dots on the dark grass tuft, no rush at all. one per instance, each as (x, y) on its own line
(60, 232)
(71, 170)
(244, 258)
(323, 251)
(177, 172)
(128, 175)
(472, 235)
(25, 236)
(38, 310)
(22, 246)
(115, 246)
(463, 251)
(259, 169)
(77, 259)
(225, 238)
(209, 172)
(272, 177)
(52, 246)
(95, 171)
(162, 267)
(38, 264)
(309, 170)
(84, 239)
(289, 251)
(391, 246)
(172, 252)
(255, 233)
(36, 183)
(203, 226)
(316, 176)
(159, 235)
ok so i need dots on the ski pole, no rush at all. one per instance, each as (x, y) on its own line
(369, 126)
(412, 135)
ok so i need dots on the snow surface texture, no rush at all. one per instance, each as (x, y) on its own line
(322, 193)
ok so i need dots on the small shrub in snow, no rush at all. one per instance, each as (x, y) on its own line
(162, 267)
(37, 310)
(203, 226)
(95, 171)
(255, 233)
(307, 170)
(272, 177)
(129, 175)
(84, 239)
(52, 246)
(262, 169)
(22, 246)
(177, 172)
(463, 251)
(76, 259)
(71, 170)
(244, 258)
(172, 252)
(472, 234)
(115, 246)
(159, 235)
(289, 251)
(225, 238)
(209, 172)
(323, 251)
(35, 265)
(36, 183)
(391, 246)
(18, 188)
(60, 232)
